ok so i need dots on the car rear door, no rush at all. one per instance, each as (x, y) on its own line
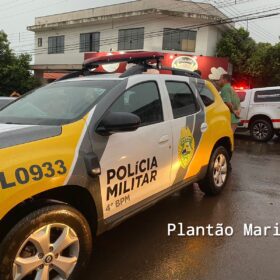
(188, 126)
(267, 102)
(136, 165)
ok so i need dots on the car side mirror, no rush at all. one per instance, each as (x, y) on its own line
(115, 122)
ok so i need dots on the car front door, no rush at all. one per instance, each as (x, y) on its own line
(136, 165)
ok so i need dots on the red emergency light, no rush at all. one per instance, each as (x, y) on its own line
(241, 86)
(209, 66)
(130, 57)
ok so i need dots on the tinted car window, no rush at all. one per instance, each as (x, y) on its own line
(267, 96)
(182, 99)
(58, 103)
(142, 100)
(206, 96)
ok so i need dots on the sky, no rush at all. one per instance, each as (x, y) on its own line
(16, 15)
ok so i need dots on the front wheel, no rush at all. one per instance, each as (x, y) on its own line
(261, 130)
(217, 174)
(53, 242)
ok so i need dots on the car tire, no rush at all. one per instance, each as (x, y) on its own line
(277, 133)
(217, 173)
(261, 130)
(37, 243)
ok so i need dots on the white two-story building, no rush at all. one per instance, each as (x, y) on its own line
(163, 25)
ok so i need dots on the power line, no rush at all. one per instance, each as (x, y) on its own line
(150, 36)
(16, 3)
(105, 39)
(232, 11)
(31, 10)
(157, 34)
(230, 6)
(223, 4)
(179, 5)
(30, 37)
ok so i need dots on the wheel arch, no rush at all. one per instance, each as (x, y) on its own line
(225, 142)
(75, 196)
(259, 117)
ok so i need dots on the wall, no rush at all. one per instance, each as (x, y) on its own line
(171, 5)
(206, 37)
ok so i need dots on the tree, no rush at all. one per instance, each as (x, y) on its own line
(271, 66)
(257, 63)
(238, 46)
(15, 74)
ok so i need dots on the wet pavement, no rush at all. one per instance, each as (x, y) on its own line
(140, 249)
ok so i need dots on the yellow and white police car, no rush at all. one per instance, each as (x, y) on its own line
(82, 154)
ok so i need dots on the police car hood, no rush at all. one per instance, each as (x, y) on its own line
(16, 134)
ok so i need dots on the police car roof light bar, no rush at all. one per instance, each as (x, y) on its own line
(132, 57)
(143, 60)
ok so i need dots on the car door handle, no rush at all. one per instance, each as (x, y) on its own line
(204, 127)
(163, 139)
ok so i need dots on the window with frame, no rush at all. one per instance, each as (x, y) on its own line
(90, 42)
(142, 100)
(179, 39)
(272, 95)
(40, 42)
(56, 44)
(183, 101)
(131, 39)
(206, 95)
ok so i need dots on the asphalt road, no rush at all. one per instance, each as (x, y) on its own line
(139, 249)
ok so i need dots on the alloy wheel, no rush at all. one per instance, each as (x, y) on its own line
(260, 131)
(50, 253)
(220, 170)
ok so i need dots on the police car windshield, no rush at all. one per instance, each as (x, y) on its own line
(58, 103)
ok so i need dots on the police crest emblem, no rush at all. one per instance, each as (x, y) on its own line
(186, 147)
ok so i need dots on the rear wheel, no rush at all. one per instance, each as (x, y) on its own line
(217, 174)
(261, 130)
(277, 132)
(51, 243)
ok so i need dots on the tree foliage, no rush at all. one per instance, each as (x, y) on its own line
(15, 74)
(257, 62)
(272, 66)
(238, 46)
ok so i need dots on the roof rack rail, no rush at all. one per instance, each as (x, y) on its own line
(76, 74)
(141, 68)
(143, 60)
(181, 72)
